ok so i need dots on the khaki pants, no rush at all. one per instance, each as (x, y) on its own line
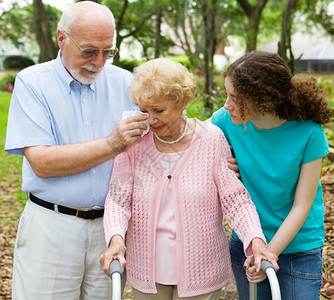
(56, 257)
(169, 292)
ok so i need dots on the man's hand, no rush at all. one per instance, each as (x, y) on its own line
(70, 159)
(127, 133)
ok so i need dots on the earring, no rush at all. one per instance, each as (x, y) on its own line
(184, 112)
(245, 127)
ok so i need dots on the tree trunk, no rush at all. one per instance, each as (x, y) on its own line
(210, 39)
(47, 47)
(253, 13)
(284, 44)
(158, 30)
(119, 25)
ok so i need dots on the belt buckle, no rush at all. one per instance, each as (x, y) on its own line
(77, 213)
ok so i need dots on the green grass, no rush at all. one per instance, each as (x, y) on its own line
(10, 165)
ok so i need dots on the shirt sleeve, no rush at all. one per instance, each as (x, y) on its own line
(28, 121)
(317, 145)
(237, 206)
(117, 211)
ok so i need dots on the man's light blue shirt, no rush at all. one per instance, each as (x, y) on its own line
(49, 107)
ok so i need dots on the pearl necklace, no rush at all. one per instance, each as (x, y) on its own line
(178, 139)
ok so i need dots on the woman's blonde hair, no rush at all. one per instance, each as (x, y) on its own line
(162, 79)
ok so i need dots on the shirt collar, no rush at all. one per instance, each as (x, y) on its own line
(65, 76)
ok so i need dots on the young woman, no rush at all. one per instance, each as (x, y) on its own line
(274, 122)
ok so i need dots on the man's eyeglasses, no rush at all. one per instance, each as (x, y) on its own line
(89, 53)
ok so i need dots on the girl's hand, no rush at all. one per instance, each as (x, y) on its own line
(252, 275)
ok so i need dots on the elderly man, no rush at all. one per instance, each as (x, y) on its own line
(65, 118)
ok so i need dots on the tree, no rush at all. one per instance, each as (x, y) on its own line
(18, 25)
(186, 29)
(48, 49)
(317, 14)
(253, 13)
(210, 43)
(128, 22)
(284, 44)
(158, 22)
(198, 28)
(150, 36)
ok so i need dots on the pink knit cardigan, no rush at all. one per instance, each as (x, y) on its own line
(205, 190)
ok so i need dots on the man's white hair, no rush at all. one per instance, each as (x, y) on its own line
(71, 14)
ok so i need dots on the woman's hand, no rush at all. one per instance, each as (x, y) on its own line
(252, 275)
(260, 252)
(116, 250)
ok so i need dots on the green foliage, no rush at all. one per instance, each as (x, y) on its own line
(17, 62)
(327, 84)
(330, 136)
(17, 26)
(10, 166)
(129, 64)
(197, 110)
(134, 20)
(8, 78)
(317, 14)
(218, 97)
(270, 25)
(183, 60)
(328, 161)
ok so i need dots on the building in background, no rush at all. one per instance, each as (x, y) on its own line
(316, 51)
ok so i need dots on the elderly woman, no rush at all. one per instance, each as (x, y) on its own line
(169, 192)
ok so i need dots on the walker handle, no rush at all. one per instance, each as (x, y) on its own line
(115, 267)
(116, 275)
(269, 270)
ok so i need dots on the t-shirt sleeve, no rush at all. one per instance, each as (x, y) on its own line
(317, 145)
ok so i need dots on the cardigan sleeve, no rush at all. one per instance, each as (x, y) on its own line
(236, 204)
(117, 211)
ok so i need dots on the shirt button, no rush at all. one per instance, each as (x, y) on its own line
(87, 123)
(94, 171)
(169, 176)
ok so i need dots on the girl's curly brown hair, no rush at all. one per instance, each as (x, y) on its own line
(264, 80)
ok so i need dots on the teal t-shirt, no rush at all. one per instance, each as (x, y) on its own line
(269, 161)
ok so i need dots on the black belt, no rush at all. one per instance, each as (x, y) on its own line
(84, 214)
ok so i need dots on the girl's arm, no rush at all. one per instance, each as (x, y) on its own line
(304, 198)
(303, 201)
